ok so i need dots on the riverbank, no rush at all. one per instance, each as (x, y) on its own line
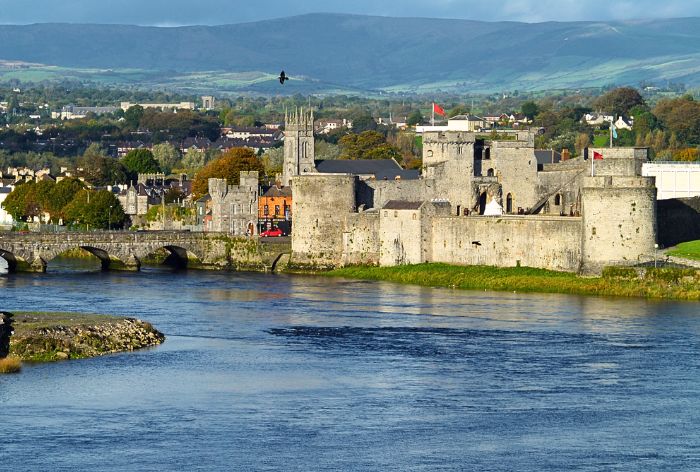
(661, 283)
(43, 337)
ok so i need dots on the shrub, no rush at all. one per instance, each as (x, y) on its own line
(10, 365)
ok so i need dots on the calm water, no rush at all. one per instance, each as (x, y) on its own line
(301, 373)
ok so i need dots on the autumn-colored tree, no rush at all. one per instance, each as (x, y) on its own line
(582, 142)
(687, 154)
(229, 167)
(682, 117)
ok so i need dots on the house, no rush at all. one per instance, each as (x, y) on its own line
(275, 207)
(623, 123)
(326, 125)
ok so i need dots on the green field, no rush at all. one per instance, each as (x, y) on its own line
(689, 250)
(683, 284)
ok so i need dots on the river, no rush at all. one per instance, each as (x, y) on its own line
(297, 373)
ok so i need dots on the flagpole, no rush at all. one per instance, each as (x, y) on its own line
(611, 130)
(432, 119)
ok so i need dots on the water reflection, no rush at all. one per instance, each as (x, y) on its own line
(263, 372)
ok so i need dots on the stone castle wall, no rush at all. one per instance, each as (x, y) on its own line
(361, 238)
(619, 221)
(549, 242)
(320, 207)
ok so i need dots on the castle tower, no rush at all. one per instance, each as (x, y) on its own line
(619, 221)
(298, 145)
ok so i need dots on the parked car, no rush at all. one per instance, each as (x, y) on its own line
(273, 232)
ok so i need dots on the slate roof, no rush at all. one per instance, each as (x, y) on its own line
(544, 156)
(402, 205)
(381, 168)
(275, 191)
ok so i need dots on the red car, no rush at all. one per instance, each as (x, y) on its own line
(273, 232)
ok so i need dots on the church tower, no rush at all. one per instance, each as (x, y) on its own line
(298, 145)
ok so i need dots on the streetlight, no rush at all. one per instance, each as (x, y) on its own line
(656, 249)
(109, 219)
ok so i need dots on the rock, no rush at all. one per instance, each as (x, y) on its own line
(61, 356)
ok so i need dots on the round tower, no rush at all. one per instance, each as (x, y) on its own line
(619, 221)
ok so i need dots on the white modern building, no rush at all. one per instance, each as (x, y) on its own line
(674, 179)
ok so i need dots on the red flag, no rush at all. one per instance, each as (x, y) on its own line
(438, 109)
(597, 156)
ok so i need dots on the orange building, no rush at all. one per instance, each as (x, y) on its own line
(275, 207)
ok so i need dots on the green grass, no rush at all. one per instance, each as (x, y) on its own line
(689, 250)
(682, 284)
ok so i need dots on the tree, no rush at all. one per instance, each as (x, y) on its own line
(355, 146)
(582, 142)
(273, 160)
(15, 202)
(140, 161)
(133, 116)
(414, 118)
(619, 101)
(98, 169)
(229, 167)
(682, 117)
(529, 109)
(61, 195)
(194, 160)
(460, 109)
(95, 209)
(167, 155)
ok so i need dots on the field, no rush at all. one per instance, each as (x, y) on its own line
(683, 284)
(689, 250)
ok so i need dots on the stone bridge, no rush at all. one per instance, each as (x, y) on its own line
(122, 250)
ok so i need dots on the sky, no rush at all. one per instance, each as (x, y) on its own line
(213, 12)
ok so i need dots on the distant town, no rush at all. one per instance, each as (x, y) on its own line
(227, 165)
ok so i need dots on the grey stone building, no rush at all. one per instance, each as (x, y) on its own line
(234, 208)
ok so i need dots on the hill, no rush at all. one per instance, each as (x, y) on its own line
(327, 52)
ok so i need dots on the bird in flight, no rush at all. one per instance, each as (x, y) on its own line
(283, 77)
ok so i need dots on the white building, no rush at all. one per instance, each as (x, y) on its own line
(469, 123)
(674, 179)
(5, 217)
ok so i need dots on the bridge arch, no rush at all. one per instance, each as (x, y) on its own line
(11, 260)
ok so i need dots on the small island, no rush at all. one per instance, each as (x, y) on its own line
(46, 337)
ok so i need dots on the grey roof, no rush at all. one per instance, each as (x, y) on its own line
(402, 205)
(5, 190)
(546, 156)
(382, 169)
(275, 191)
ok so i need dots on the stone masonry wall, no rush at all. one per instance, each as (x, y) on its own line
(549, 242)
(619, 215)
(320, 206)
(361, 239)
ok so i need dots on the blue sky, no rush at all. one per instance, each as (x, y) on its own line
(188, 12)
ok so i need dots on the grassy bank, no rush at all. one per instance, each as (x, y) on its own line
(41, 337)
(681, 284)
(689, 250)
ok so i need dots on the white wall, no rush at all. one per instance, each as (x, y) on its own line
(674, 179)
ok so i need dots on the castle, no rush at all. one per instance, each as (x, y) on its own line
(478, 202)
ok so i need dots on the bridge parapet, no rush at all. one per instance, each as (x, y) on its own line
(122, 250)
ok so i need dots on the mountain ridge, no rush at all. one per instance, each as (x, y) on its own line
(380, 53)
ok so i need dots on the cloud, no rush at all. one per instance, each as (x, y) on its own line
(181, 12)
